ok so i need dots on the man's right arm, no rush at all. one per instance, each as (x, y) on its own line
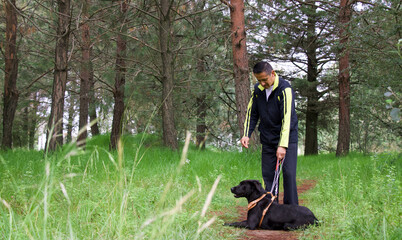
(250, 122)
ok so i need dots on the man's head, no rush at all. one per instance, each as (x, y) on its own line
(264, 73)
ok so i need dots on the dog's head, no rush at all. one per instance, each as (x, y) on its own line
(249, 189)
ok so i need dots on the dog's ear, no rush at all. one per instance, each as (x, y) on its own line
(258, 186)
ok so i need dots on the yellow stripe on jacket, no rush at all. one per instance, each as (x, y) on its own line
(287, 112)
(248, 116)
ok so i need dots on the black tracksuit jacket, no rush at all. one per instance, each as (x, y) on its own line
(278, 119)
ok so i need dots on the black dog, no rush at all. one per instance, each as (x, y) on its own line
(278, 216)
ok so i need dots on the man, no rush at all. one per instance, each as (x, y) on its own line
(272, 102)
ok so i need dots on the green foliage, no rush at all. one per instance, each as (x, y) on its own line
(277, 31)
(376, 69)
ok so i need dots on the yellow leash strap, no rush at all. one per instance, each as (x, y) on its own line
(266, 210)
(254, 203)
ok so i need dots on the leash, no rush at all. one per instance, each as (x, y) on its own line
(254, 203)
(266, 210)
(278, 170)
(275, 185)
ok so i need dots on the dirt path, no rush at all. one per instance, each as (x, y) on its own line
(275, 235)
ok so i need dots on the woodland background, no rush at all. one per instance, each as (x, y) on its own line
(168, 66)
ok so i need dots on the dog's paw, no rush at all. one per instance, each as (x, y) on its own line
(237, 224)
(229, 224)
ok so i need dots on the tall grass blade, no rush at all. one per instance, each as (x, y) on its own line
(206, 225)
(10, 221)
(45, 200)
(178, 169)
(171, 211)
(210, 195)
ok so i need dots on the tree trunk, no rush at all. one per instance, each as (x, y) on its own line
(10, 98)
(85, 75)
(201, 96)
(240, 61)
(92, 105)
(55, 125)
(165, 40)
(201, 124)
(201, 110)
(33, 119)
(25, 127)
(120, 79)
(311, 140)
(344, 80)
(71, 111)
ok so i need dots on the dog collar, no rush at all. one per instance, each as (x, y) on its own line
(254, 203)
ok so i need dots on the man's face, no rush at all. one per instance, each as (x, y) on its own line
(265, 79)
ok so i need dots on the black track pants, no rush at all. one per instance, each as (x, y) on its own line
(268, 164)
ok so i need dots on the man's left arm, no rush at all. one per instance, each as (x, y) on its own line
(286, 118)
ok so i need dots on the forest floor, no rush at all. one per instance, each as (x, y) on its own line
(270, 234)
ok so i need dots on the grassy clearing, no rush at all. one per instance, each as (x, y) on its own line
(146, 191)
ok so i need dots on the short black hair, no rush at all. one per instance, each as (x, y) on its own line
(262, 67)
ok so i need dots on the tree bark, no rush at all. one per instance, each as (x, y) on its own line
(25, 127)
(85, 74)
(70, 120)
(201, 110)
(120, 79)
(33, 119)
(92, 106)
(240, 61)
(165, 40)
(201, 96)
(344, 80)
(311, 140)
(55, 125)
(10, 98)
(201, 123)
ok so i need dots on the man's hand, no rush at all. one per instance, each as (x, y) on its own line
(244, 141)
(280, 153)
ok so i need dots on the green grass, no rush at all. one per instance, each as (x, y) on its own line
(356, 197)
(146, 191)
